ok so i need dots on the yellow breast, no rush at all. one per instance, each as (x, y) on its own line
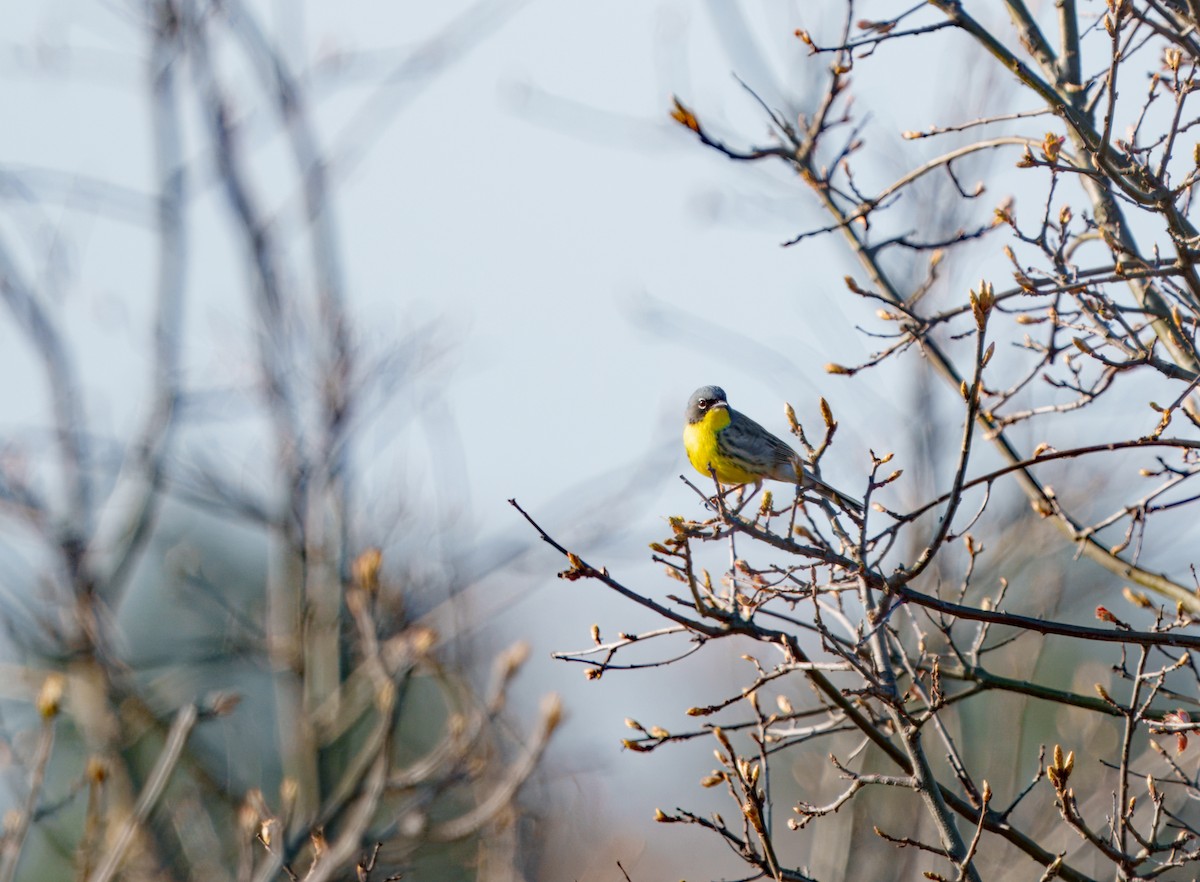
(700, 441)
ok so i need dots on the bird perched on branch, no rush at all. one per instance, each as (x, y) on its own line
(720, 439)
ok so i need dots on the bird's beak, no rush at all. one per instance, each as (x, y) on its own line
(716, 405)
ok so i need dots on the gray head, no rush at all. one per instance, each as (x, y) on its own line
(703, 400)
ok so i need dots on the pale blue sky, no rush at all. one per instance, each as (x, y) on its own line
(535, 204)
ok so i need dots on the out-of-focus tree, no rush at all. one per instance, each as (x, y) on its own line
(218, 660)
(906, 672)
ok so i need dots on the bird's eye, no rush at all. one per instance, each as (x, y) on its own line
(703, 404)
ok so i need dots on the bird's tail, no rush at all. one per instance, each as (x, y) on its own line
(837, 497)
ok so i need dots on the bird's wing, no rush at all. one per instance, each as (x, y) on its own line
(775, 459)
(774, 456)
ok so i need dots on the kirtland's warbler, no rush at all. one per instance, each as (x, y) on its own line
(740, 451)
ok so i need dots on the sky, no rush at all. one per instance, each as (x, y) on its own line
(579, 264)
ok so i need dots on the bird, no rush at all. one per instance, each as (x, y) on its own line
(721, 440)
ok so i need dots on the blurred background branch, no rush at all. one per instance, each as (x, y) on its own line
(292, 717)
